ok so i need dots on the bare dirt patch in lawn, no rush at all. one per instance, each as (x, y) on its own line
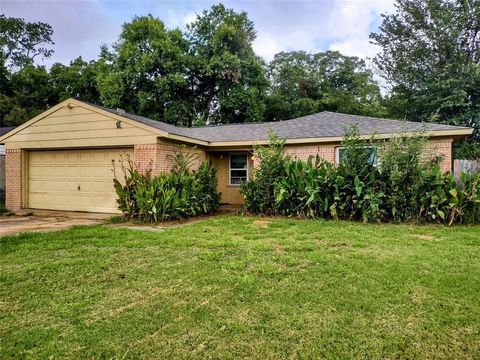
(261, 222)
(424, 237)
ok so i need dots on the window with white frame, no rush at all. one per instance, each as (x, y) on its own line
(238, 170)
(371, 151)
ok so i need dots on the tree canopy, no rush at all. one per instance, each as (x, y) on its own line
(209, 73)
(430, 55)
(145, 71)
(21, 41)
(227, 77)
(303, 83)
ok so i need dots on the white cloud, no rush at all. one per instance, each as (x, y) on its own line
(317, 26)
(81, 26)
(352, 22)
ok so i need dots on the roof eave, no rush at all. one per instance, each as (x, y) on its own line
(332, 139)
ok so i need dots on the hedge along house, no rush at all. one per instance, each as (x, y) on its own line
(63, 159)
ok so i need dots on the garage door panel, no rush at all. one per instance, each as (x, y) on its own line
(55, 178)
(86, 171)
(60, 157)
(60, 171)
(37, 171)
(38, 185)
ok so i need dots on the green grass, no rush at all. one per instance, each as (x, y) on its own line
(232, 287)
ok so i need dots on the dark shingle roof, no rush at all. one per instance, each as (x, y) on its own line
(324, 124)
(320, 125)
(6, 129)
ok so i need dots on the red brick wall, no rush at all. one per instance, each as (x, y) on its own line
(326, 152)
(2, 172)
(13, 179)
(157, 157)
(441, 147)
(144, 156)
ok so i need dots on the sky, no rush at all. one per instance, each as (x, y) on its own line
(80, 27)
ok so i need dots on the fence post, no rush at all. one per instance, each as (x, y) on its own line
(456, 168)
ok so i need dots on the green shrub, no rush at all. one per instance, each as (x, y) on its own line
(176, 195)
(405, 185)
(260, 194)
(467, 150)
(404, 163)
(442, 200)
(305, 189)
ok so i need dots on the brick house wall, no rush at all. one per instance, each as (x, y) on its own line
(326, 152)
(442, 147)
(2, 172)
(13, 179)
(158, 157)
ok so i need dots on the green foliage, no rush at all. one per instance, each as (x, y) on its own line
(75, 80)
(28, 93)
(171, 196)
(467, 151)
(303, 83)
(405, 185)
(404, 162)
(430, 55)
(229, 79)
(305, 189)
(259, 193)
(145, 73)
(183, 159)
(21, 41)
(442, 200)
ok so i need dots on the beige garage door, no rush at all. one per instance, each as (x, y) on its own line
(78, 180)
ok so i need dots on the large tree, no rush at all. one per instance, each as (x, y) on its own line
(145, 72)
(28, 93)
(75, 80)
(227, 78)
(430, 54)
(304, 83)
(21, 41)
(24, 88)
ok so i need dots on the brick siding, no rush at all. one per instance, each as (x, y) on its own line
(326, 152)
(2, 172)
(13, 179)
(158, 157)
(442, 147)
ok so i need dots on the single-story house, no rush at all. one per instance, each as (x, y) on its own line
(63, 158)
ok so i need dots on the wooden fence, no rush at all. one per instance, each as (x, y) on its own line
(470, 166)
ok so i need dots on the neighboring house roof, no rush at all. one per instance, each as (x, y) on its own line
(6, 129)
(3, 131)
(321, 125)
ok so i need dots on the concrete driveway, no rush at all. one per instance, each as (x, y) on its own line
(47, 220)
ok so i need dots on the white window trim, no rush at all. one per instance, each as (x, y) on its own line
(337, 154)
(230, 168)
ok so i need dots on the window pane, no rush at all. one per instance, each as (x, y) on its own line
(236, 180)
(371, 152)
(238, 161)
(372, 155)
(238, 173)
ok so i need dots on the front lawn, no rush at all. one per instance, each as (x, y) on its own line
(232, 287)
